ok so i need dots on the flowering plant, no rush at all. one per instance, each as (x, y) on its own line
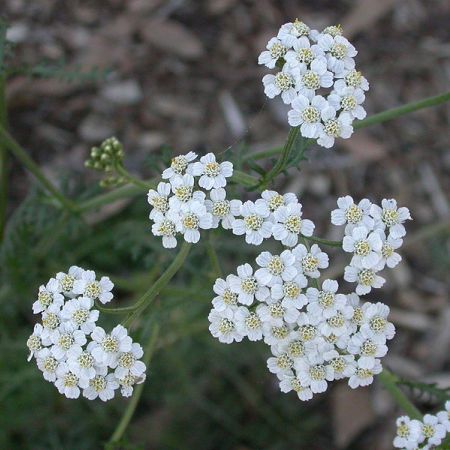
(318, 329)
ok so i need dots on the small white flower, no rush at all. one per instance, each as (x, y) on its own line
(167, 229)
(409, 433)
(212, 174)
(128, 382)
(308, 327)
(48, 364)
(338, 324)
(366, 279)
(67, 280)
(51, 320)
(325, 303)
(364, 377)
(290, 224)
(64, 339)
(223, 326)
(291, 31)
(313, 371)
(289, 382)
(284, 83)
(48, 295)
(110, 345)
(81, 362)
(35, 342)
(159, 199)
(391, 217)
(279, 363)
(102, 386)
(334, 127)
(275, 314)
(432, 430)
(366, 247)
(183, 190)
(303, 53)
(249, 323)
(256, 224)
(275, 51)
(340, 53)
(275, 201)
(309, 261)
(246, 286)
(179, 166)
(308, 113)
(67, 382)
(226, 298)
(352, 214)
(314, 78)
(352, 78)
(349, 99)
(89, 287)
(291, 292)
(389, 257)
(276, 334)
(444, 416)
(275, 269)
(129, 362)
(223, 211)
(367, 349)
(343, 366)
(191, 219)
(77, 313)
(376, 326)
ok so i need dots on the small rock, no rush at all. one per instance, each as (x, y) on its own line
(123, 92)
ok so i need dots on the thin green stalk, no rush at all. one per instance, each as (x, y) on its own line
(389, 381)
(3, 152)
(215, 263)
(322, 241)
(244, 179)
(284, 158)
(131, 408)
(155, 289)
(133, 180)
(369, 121)
(402, 110)
(23, 157)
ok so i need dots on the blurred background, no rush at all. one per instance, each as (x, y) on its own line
(178, 75)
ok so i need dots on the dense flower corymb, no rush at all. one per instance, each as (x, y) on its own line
(74, 353)
(317, 77)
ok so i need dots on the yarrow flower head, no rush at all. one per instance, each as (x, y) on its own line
(316, 334)
(71, 350)
(317, 77)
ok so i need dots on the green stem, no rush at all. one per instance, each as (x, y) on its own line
(284, 158)
(369, 121)
(155, 289)
(322, 241)
(131, 408)
(402, 110)
(215, 263)
(133, 180)
(389, 381)
(3, 153)
(23, 157)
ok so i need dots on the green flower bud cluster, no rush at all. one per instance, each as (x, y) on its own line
(106, 157)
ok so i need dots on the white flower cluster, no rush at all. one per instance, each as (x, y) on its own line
(317, 77)
(180, 205)
(372, 235)
(414, 434)
(274, 215)
(316, 335)
(177, 207)
(71, 350)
